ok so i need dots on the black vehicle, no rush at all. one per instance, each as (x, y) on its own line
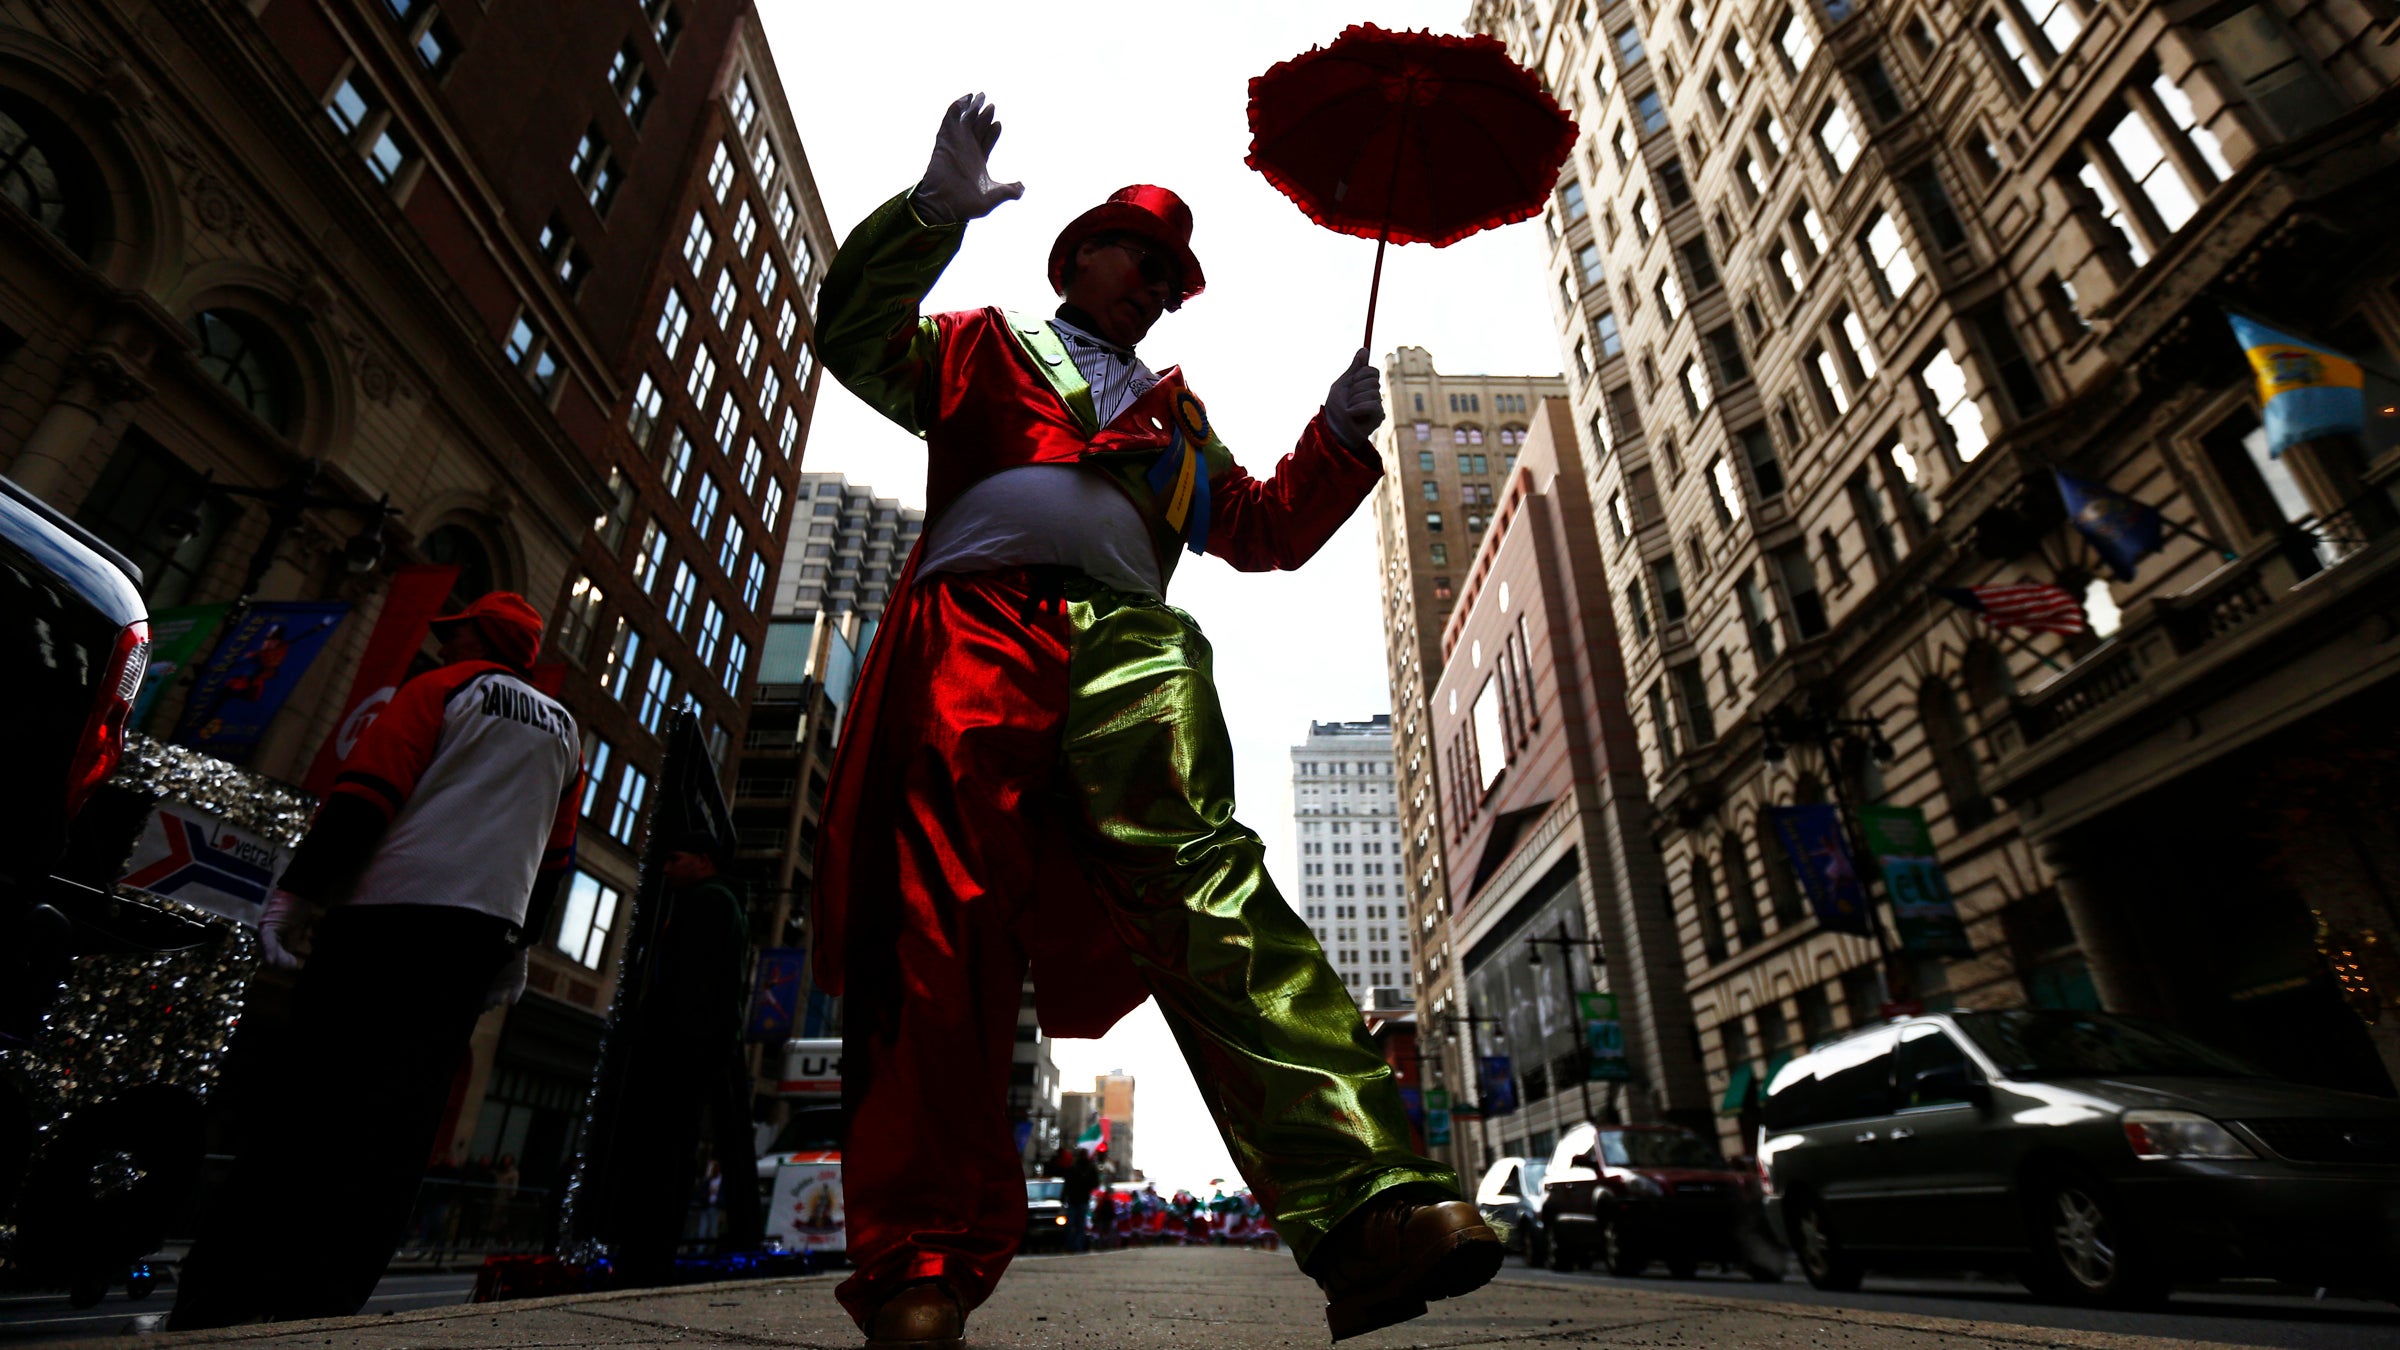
(1625, 1196)
(1045, 1215)
(84, 1190)
(2100, 1158)
(1511, 1200)
(74, 641)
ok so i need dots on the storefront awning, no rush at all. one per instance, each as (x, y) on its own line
(1774, 1067)
(1737, 1090)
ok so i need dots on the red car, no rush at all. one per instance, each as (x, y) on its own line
(1624, 1196)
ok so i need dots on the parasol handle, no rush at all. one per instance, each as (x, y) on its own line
(1375, 287)
(1383, 238)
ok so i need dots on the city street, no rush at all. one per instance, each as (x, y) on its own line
(47, 1317)
(1240, 1299)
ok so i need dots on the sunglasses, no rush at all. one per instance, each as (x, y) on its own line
(1156, 268)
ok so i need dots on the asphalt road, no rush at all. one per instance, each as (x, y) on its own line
(33, 1317)
(2224, 1315)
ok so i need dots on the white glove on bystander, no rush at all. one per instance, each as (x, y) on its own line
(1354, 406)
(283, 927)
(958, 185)
(508, 984)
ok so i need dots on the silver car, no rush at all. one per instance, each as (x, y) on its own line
(1511, 1200)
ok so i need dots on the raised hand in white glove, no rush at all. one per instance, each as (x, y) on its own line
(508, 983)
(283, 927)
(1354, 406)
(958, 185)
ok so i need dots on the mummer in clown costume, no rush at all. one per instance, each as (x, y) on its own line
(1036, 770)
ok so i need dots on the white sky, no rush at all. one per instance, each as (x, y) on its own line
(1159, 93)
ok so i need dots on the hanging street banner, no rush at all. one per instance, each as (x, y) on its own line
(1921, 901)
(255, 668)
(1437, 1116)
(1813, 844)
(1499, 1085)
(1603, 1037)
(192, 855)
(775, 997)
(411, 599)
(176, 636)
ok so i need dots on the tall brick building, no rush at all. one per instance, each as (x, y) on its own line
(1554, 878)
(539, 273)
(1839, 287)
(1447, 448)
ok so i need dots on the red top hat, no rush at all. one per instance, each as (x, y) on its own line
(1153, 213)
(511, 628)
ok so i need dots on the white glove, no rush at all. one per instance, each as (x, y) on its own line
(1354, 406)
(508, 983)
(283, 927)
(958, 185)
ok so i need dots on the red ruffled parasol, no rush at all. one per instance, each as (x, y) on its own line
(1414, 138)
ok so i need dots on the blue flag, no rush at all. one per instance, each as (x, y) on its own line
(2123, 530)
(1499, 1085)
(2304, 390)
(1813, 844)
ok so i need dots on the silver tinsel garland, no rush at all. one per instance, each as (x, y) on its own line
(126, 1020)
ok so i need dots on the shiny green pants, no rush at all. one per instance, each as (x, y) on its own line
(1309, 1109)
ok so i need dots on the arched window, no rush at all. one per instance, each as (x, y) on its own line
(1987, 675)
(45, 173)
(1953, 754)
(1739, 892)
(245, 356)
(457, 545)
(1704, 904)
(1783, 889)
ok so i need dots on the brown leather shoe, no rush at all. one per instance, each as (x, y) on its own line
(920, 1316)
(1396, 1254)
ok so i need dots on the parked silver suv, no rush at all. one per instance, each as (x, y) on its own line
(2101, 1158)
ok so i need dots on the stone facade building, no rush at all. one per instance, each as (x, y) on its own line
(1554, 882)
(486, 264)
(1450, 442)
(1839, 288)
(1346, 821)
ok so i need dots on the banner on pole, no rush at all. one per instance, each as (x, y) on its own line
(410, 601)
(775, 995)
(1603, 1037)
(1820, 858)
(1499, 1085)
(1437, 1117)
(176, 636)
(256, 666)
(1922, 906)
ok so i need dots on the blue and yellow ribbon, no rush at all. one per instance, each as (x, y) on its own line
(1180, 473)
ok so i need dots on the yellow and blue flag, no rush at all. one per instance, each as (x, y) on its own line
(2304, 390)
(2124, 531)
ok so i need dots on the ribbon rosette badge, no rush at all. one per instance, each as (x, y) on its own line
(1182, 472)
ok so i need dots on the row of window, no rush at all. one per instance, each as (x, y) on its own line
(1363, 768)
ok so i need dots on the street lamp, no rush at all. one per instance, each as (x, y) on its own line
(1534, 945)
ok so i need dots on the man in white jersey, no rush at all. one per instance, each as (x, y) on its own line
(436, 858)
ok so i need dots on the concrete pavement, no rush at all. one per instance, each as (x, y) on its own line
(1154, 1299)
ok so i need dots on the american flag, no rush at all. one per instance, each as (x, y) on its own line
(2032, 606)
